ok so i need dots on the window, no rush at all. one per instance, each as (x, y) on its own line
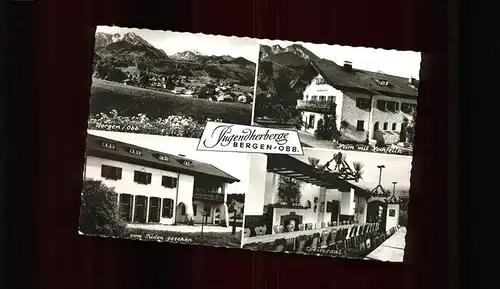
(311, 121)
(362, 103)
(321, 98)
(314, 97)
(394, 126)
(386, 125)
(163, 158)
(308, 204)
(187, 163)
(195, 209)
(408, 107)
(167, 209)
(360, 126)
(307, 97)
(108, 145)
(135, 151)
(381, 105)
(142, 177)
(382, 82)
(392, 213)
(392, 106)
(376, 126)
(111, 173)
(168, 182)
(320, 81)
(183, 210)
(125, 207)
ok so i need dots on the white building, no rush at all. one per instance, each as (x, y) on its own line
(157, 187)
(369, 106)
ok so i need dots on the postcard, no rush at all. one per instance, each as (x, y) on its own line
(249, 143)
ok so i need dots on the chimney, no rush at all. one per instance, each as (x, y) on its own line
(412, 80)
(348, 65)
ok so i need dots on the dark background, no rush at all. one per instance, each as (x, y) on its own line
(50, 53)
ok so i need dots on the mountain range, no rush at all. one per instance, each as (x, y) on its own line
(292, 55)
(127, 50)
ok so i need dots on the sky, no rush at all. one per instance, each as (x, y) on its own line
(400, 63)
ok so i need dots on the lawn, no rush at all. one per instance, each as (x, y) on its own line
(131, 101)
(208, 238)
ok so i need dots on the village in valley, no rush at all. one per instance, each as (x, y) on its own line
(129, 59)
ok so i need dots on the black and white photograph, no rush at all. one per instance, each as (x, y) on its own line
(336, 203)
(160, 188)
(353, 98)
(170, 83)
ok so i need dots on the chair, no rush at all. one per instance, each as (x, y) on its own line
(260, 230)
(323, 224)
(302, 227)
(300, 243)
(309, 226)
(332, 238)
(246, 233)
(324, 239)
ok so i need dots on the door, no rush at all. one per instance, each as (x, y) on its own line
(140, 209)
(154, 210)
(216, 216)
(334, 210)
(125, 207)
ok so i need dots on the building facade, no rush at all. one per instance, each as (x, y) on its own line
(155, 187)
(369, 107)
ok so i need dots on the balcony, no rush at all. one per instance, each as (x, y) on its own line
(319, 106)
(208, 195)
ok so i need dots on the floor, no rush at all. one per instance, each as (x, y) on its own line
(182, 228)
(392, 249)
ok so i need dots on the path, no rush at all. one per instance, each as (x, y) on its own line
(392, 249)
(182, 228)
(309, 140)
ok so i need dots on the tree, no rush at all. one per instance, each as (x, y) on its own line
(234, 207)
(289, 191)
(99, 210)
(115, 75)
(407, 133)
(283, 103)
(327, 126)
(144, 79)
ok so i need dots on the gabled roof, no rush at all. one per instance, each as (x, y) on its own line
(150, 158)
(337, 76)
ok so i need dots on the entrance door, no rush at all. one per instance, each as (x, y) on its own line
(140, 209)
(154, 210)
(216, 216)
(333, 208)
(208, 216)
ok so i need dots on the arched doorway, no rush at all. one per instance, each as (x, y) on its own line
(216, 216)
(180, 213)
(376, 212)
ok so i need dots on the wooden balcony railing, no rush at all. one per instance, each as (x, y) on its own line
(319, 106)
(208, 195)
